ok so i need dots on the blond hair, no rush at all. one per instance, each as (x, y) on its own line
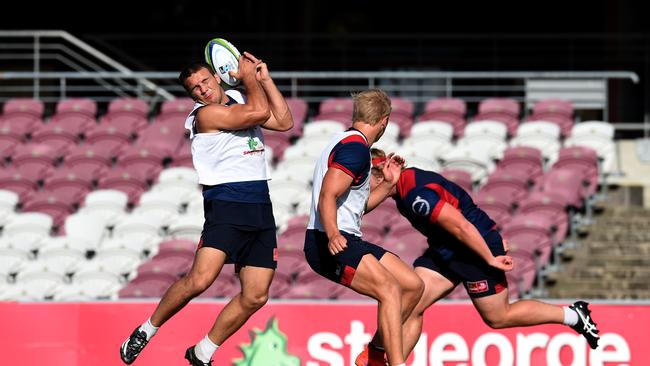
(370, 106)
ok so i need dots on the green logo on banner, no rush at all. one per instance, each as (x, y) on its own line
(268, 347)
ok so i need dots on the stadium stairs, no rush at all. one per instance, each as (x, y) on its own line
(613, 260)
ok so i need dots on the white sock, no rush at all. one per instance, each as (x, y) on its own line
(204, 349)
(570, 316)
(149, 329)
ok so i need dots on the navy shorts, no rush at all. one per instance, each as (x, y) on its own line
(244, 231)
(341, 267)
(479, 278)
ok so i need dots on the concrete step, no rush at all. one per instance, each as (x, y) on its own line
(608, 274)
(597, 294)
(580, 284)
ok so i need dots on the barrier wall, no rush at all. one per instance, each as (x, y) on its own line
(308, 334)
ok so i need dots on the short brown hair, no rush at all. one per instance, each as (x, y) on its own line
(191, 69)
(370, 106)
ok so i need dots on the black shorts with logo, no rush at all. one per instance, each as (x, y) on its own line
(244, 231)
(341, 267)
(463, 265)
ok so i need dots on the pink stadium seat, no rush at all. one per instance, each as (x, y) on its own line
(110, 137)
(566, 184)
(298, 108)
(498, 201)
(174, 245)
(500, 105)
(448, 105)
(507, 187)
(131, 182)
(148, 285)
(402, 106)
(30, 106)
(35, 160)
(49, 203)
(12, 180)
(165, 135)
(222, 287)
(551, 205)
(88, 160)
(84, 106)
(75, 115)
(336, 105)
(147, 160)
(68, 185)
(376, 221)
(386, 213)
(336, 109)
(460, 177)
(9, 139)
(523, 246)
(126, 114)
(293, 264)
(524, 159)
(583, 161)
(402, 121)
(178, 107)
(183, 155)
(56, 136)
(293, 238)
(178, 265)
(21, 116)
(278, 141)
(558, 106)
(313, 287)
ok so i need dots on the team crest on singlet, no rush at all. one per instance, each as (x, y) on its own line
(254, 146)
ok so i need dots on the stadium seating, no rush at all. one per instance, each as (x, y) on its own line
(122, 196)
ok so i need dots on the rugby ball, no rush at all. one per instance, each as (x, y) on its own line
(223, 57)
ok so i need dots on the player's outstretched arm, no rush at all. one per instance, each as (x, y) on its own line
(281, 118)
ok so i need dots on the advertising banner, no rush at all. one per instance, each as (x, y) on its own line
(309, 334)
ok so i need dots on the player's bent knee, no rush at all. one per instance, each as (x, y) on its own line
(496, 321)
(197, 283)
(390, 291)
(254, 302)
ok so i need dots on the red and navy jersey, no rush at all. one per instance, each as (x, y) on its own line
(352, 156)
(421, 195)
